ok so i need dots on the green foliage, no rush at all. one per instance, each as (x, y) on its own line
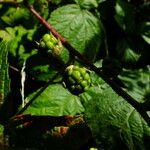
(4, 86)
(4, 80)
(53, 47)
(55, 103)
(13, 16)
(41, 70)
(128, 56)
(98, 29)
(87, 3)
(137, 83)
(1, 133)
(80, 27)
(1, 129)
(112, 120)
(124, 19)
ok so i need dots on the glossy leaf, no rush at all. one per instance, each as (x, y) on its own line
(55, 100)
(80, 27)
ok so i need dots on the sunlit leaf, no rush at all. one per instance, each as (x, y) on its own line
(55, 100)
(80, 27)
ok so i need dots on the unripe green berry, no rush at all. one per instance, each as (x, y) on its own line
(46, 37)
(76, 75)
(77, 79)
(54, 48)
(54, 40)
(86, 76)
(82, 71)
(75, 68)
(86, 88)
(49, 45)
(84, 83)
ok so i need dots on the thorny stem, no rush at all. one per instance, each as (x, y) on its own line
(86, 62)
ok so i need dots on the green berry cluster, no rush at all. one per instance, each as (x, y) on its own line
(50, 43)
(77, 79)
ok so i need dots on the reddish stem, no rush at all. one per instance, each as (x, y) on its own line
(45, 120)
(47, 25)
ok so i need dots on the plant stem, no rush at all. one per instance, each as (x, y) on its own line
(9, 2)
(46, 120)
(86, 62)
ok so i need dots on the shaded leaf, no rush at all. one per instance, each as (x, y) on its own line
(144, 28)
(128, 56)
(113, 121)
(137, 83)
(125, 16)
(41, 70)
(88, 4)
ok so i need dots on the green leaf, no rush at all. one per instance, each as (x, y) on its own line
(15, 16)
(144, 28)
(81, 28)
(29, 2)
(88, 4)
(55, 100)
(100, 1)
(1, 133)
(113, 121)
(137, 83)
(125, 16)
(20, 41)
(41, 70)
(4, 77)
(16, 35)
(56, 1)
(128, 56)
(146, 38)
(4, 35)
